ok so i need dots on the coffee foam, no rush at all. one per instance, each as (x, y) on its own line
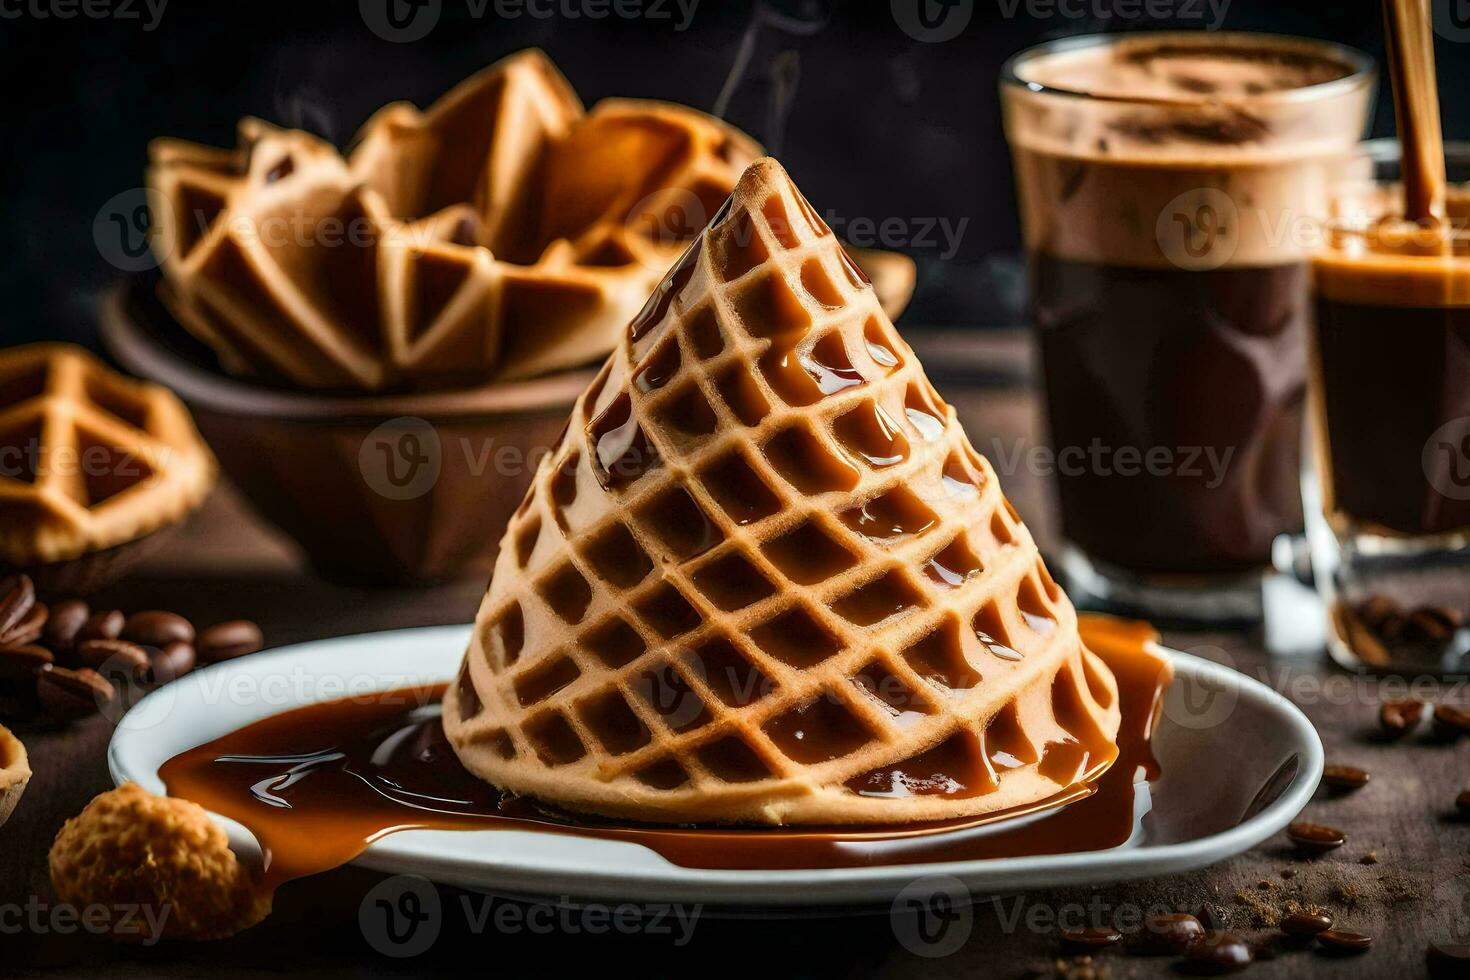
(1112, 139)
(1376, 258)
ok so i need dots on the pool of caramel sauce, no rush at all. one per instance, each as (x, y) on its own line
(318, 784)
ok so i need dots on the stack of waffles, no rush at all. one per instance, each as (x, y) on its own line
(765, 578)
(502, 234)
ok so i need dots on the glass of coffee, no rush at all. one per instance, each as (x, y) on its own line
(1171, 187)
(1388, 491)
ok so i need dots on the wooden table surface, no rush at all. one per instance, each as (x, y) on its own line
(227, 564)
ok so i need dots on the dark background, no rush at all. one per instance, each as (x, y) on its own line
(877, 124)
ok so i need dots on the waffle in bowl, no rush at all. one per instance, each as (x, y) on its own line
(89, 461)
(502, 234)
(765, 578)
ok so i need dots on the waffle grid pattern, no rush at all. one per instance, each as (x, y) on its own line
(409, 261)
(744, 624)
(88, 460)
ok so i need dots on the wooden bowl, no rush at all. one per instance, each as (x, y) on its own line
(395, 489)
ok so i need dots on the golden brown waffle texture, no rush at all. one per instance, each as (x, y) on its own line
(503, 233)
(88, 459)
(765, 578)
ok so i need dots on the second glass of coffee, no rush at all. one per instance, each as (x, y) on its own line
(1171, 187)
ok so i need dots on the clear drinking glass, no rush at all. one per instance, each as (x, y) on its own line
(1168, 186)
(1387, 488)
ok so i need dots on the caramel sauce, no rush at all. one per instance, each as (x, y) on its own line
(318, 784)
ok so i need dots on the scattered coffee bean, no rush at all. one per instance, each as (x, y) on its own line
(171, 663)
(1345, 777)
(1398, 718)
(227, 641)
(1448, 960)
(1462, 802)
(1430, 624)
(29, 629)
(113, 657)
(1216, 953)
(1306, 923)
(17, 596)
(1212, 917)
(70, 694)
(104, 624)
(1090, 938)
(156, 628)
(23, 663)
(1336, 942)
(1450, 720)
(67, 619)
(1167, 934)
(1315, 838)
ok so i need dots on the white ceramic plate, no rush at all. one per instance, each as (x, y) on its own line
(1239, 762)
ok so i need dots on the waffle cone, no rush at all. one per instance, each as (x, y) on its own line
(765, 577)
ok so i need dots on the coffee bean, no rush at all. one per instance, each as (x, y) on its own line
(109, 657)
(1374, 610)
(1345, 777)
(226, 641)
(1450, 720)
(1216, 953)
(1167, 934)
(67, 619)
(1462, 803)
(29, 629)
(104, 624)
(23, 663)
(1091, 938)
(1212, 917)
(1336, 942)
(1306, 923)
(1430, 624)
(17, 596)
(70, 694)
(1315, 838)
(1448, 960)
(171, 663)
(1398, 718)
(157, 628)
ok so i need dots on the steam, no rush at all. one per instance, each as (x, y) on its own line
(778, 20)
